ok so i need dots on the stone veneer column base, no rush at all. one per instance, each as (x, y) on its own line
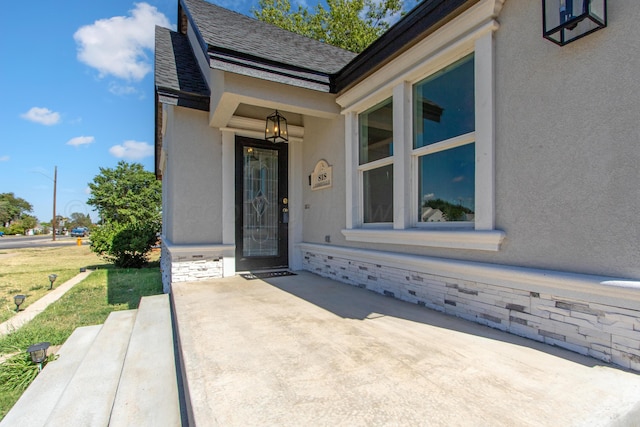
(590, 315)
(192, 263)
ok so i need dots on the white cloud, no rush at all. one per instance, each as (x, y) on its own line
(4, 158)
(118, 45)
(80, 140)
(132, 150)
(121, 90)
(44, 116)
(458, 178)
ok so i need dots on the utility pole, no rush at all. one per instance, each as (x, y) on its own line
(54, 222)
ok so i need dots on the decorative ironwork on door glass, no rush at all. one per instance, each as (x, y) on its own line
(260, 198)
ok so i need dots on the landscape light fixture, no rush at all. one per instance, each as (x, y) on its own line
(38, 353)
(18, 300)
(276, 129)
(52, 278)
(565, 21)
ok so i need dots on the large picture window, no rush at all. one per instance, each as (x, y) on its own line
(376, 162)
(444, 143)
(420, 166)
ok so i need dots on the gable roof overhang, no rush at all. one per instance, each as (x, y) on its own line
(178, 81)
(230, 90)
(238, 44)
(423, 20)
(439, 42)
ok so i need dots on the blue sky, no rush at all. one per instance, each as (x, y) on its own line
(77, 84)
(72, 107)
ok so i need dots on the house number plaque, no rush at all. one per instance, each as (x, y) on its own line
(322, 176)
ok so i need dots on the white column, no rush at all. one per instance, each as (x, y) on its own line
(296, 209)
(402, 144)
(352, 180)
(485, 133)
(228, 199)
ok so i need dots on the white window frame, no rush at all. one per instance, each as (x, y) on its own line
(462, 36)
(447, 144)
(362, 168)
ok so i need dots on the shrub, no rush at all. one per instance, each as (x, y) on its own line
(15, 228)
(126, 245)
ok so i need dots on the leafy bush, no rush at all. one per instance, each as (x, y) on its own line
(126, 245)
(129, 202)
(16, 228)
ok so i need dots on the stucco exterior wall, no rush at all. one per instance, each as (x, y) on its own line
(568, 129)
(567, 133)
(324, 210)
(192, 197)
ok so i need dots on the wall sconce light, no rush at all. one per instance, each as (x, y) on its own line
(52, 278)
(276, 129)
(38, 353)
(18, 300)
(565, 21)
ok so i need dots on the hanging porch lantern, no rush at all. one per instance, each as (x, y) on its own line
(276, 129)
(565, 21)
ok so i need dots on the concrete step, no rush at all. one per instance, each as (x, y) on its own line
(88, 398)
(122, 373)
(37, 402)
(148, 391)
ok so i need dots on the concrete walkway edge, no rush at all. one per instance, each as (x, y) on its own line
(26, 315)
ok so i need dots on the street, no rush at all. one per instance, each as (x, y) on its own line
(21, 242)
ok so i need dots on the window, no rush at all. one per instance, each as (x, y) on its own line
(431, 140)
(376, 162)
(444, 143)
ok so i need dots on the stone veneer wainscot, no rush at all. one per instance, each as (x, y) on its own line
(190, 264)
(590, 315)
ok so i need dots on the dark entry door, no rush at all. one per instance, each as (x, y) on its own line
(262, 211)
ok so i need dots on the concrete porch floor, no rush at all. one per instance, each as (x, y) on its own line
(305, 350)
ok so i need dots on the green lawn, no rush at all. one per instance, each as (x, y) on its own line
(88, 303)
(26, 271)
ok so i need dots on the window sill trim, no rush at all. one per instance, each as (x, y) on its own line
(489, 240)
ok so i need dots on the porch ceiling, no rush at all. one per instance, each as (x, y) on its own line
(230, 90)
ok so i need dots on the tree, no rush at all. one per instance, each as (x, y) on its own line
(450, 211)
(350, 24)
(126, 194)
(78, 219)
(129, 201)
(21, 225)
(12, 208)
(28, 222)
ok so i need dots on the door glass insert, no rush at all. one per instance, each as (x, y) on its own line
(260, 199)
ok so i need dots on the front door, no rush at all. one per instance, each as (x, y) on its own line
(262, 212)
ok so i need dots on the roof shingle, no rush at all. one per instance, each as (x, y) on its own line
(227, 30)
(177, 74)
